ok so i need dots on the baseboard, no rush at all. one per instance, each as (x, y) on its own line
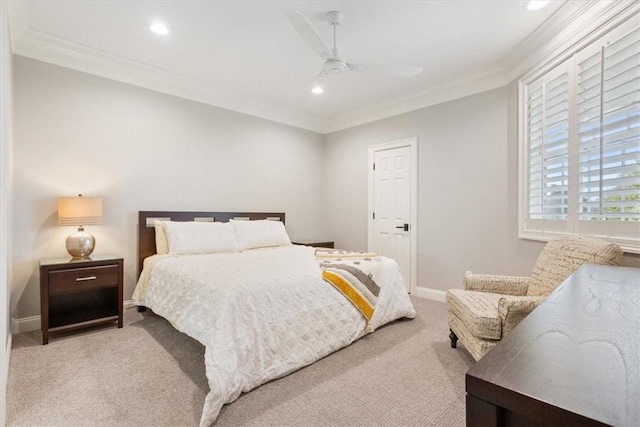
(428, 293)
(7, 357)
(25, 324)
(32, 323)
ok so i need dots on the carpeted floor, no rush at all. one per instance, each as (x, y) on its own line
(149, 374)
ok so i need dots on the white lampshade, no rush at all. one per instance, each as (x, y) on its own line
(79, 210)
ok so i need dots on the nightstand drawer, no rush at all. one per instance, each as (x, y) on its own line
(83, 278)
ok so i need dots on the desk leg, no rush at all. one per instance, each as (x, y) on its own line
(480, 412)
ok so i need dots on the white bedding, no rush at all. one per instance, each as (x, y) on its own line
(260, 314)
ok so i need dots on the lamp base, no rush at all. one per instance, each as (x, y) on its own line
(80, 244)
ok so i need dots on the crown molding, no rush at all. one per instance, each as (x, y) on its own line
(573, 25)
(569, 29)
(54, 50)
(477, 83)
(44, 47)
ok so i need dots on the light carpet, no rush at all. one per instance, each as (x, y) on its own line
(404, 374)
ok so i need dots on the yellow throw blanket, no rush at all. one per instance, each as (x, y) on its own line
(354, 275)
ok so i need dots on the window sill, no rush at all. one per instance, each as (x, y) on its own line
(628, 246)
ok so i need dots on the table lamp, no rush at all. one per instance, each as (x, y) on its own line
(80, 211)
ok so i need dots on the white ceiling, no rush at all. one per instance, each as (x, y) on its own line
(245, 56)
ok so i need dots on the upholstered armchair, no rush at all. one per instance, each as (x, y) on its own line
(490, 306)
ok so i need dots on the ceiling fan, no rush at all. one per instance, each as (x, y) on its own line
(333, 64)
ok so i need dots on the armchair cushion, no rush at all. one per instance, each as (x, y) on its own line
(477, 310)
(506, 285)
(513, 309)
(561, 257)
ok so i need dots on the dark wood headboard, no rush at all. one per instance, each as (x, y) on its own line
(147, 233)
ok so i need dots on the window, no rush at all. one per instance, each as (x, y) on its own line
(580, 144)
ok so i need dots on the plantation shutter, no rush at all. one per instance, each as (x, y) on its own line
(608, 116)
(579, 167)
(548, 147)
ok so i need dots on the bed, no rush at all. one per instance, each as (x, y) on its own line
(261, 312)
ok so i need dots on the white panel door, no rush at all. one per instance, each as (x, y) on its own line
(392, 207)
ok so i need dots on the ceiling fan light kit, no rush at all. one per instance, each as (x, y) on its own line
(536, 4)
(333, 64)
(159, 28)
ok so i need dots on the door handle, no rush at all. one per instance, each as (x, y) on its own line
(404, 227)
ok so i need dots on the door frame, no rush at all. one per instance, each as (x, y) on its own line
(412, 143)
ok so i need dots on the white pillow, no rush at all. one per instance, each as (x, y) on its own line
(260, 234)
(199, 237)
(162, 246)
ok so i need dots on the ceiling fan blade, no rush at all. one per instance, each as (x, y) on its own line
(394, 70)
(309, 34)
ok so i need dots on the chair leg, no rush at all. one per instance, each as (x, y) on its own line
(454, 339)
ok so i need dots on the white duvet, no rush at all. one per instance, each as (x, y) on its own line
(260, 314)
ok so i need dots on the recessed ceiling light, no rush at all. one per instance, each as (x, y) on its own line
(317, 90)
(536, 4)
(159, 28)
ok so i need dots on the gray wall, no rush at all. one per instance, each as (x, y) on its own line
(6, 144)
(467, 187)
(143, 150)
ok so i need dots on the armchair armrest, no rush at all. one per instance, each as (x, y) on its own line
(507, 285)
(513, 309)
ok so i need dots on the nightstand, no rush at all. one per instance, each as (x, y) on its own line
(76, 293)
(317, 243)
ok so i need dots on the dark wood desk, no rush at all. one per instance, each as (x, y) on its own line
(574, 361)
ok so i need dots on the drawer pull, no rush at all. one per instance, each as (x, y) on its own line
(82, 279)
